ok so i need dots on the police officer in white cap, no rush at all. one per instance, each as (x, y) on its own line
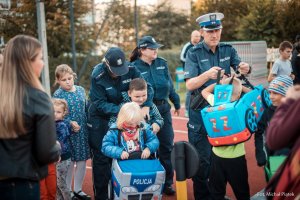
(203, 62)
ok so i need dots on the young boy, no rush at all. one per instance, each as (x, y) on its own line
(138, 93)
(282, 66)
(228, 163)
(277, 90)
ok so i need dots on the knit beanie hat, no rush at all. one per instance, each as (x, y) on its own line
(280, 84)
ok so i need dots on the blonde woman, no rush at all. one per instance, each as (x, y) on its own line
(27, 126)
(131, 127)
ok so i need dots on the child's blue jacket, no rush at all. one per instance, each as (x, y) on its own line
(112, 148)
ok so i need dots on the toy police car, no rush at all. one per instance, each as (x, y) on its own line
(137, 179)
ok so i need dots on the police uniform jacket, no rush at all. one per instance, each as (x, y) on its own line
(158, 75)
(105, 92)
(200, 59)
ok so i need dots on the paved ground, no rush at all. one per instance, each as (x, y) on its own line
(256, 175)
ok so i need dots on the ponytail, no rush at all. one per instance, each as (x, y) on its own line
(135, 54)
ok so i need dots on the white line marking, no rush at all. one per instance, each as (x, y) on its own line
(183, 118)
(180, 131)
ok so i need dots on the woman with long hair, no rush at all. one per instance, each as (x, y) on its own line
(27, 126)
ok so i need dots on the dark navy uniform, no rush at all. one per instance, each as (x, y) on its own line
(200, 59)
(104, 99)
(158, 75)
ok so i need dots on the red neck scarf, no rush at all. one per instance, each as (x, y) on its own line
(130, 132)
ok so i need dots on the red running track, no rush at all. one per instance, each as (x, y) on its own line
(256, 174)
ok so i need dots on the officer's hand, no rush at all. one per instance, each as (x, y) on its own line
(124, 155)
(145, 112)
(176, 112)
(145, 153)
(155, 128)
(244, 68)
(212, 73)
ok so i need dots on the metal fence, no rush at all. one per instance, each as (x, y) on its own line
(254, 53)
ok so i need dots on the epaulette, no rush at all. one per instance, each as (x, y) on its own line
(197, 46)
(223, 44)
(101, 72)
(161, 58)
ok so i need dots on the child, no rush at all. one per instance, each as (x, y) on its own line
(62, 131)
(138, 94)
(228, 162)
(75, 97)
(282, 66)
(135, 135)
(48, 184)
(277, 90)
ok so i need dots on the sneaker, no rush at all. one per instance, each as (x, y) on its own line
(82, 196)
(186, 113)
(168, 190)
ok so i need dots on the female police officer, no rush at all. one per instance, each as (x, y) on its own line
(201, 68)
(155, 71)
(108, 80)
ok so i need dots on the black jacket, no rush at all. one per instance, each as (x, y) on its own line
(261, 152)
(28, 155)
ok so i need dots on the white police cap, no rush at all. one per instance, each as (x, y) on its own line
(210, 21)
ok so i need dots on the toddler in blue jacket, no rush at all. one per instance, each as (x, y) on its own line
(129, 134)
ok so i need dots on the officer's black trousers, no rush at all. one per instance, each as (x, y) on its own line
(166, 141)
(101, 165)
(231, 170)
(198, 138)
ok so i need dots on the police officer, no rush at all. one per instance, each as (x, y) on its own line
(195, 39)
(201, 68)
(108, 80)
(155, 70)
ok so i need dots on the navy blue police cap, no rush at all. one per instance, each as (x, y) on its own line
(210, 21)
(116, 62)
(148, 42)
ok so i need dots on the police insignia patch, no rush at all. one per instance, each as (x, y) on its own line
(119, 61)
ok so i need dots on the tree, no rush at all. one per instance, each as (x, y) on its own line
(21, 19)
(166, 26)
(233, 11)
(288, 18)
(260, 23)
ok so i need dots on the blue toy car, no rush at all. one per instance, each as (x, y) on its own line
(233, 123)
(137, 179)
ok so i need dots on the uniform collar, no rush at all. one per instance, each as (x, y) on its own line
(208, 49)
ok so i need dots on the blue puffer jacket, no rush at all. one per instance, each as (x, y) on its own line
(112, 148)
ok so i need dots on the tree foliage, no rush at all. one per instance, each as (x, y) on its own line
(22, 19)
(233, 11)
(260, 24)
(168, 27)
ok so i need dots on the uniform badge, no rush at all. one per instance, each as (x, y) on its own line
(119, 61)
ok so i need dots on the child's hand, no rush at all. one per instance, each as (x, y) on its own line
(145, 153)
(292, 76)
(145, 111)
(75, 126)
(155, 128)
(124, 155)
